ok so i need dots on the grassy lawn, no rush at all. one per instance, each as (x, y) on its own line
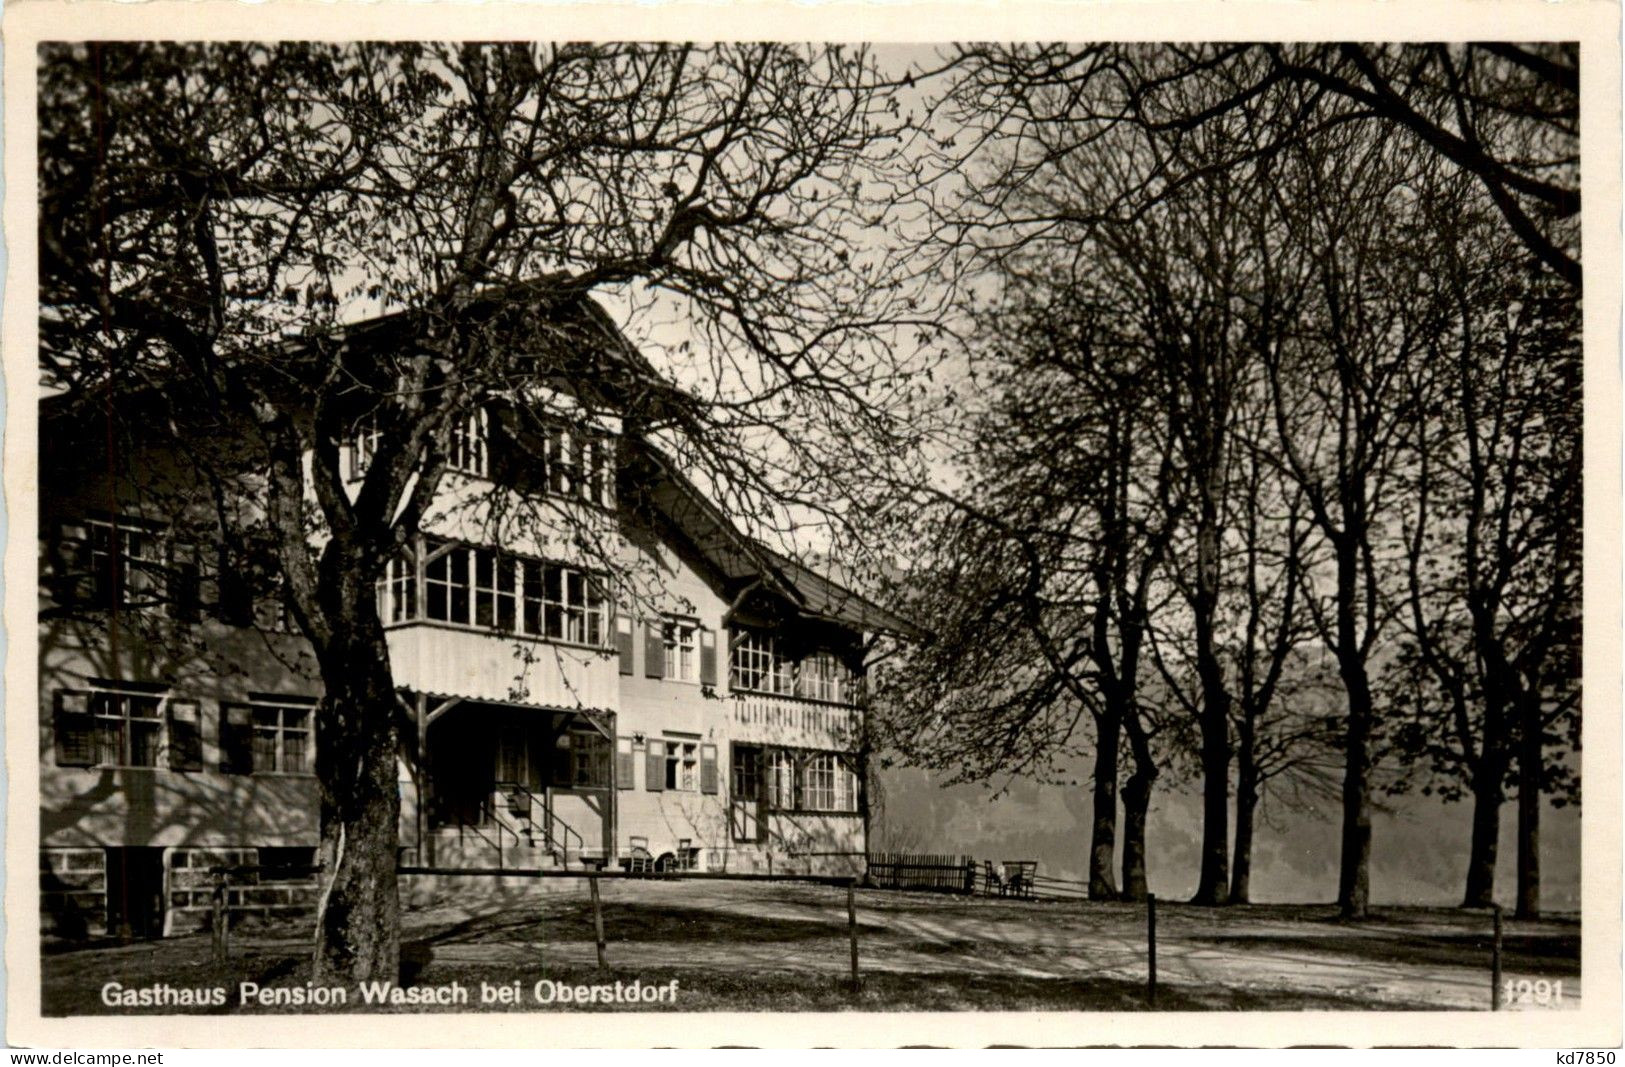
(784, 948)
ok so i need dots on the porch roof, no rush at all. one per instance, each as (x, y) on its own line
(440, 703)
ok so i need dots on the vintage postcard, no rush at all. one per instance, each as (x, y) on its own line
(1049, 524)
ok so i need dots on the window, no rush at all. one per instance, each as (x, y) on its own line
(747, 774)
(823, 676)
(466, 448)
(481, 587)
(682, 650)
(582, 760)
(124, 725)
(781, 779)
(281, 739)
(467, 444)
(829, 784)
(126, 563)
(760, 664)
(364, 445)
(580, 464)
(267, 736)
(818, 789)
(682, 765)
(120, 562)
(398, 590)
(127, 729)
(846, 787)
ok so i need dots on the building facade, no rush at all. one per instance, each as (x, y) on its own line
(713, 721)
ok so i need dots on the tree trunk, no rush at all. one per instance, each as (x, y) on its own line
(1354, 870)
(1136, 808)
(1241, 870)
(865, 799)
(1531, 763)
(358, 920)
(1213, 887)
(1481, 859)
(1103, 832)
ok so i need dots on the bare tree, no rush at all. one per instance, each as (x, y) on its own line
(216, 218)
(1035, 572)
(1493, 534)
(1506, 114)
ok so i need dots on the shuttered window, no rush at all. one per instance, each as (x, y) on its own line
(126, 563)
(682, 766)
(680, 649)
(74, 729)
(121, 728)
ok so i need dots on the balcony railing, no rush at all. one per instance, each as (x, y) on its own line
(779, 711)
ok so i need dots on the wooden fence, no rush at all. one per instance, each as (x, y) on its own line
(904, 870)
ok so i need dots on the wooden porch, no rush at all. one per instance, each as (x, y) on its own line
(508, 784)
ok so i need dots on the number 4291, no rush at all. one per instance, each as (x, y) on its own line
(1539, 991)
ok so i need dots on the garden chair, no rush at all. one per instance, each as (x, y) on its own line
(994, 880)
(1019, 876)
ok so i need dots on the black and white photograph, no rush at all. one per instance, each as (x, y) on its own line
(570, 527)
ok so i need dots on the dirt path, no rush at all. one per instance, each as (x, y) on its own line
(1406, 958)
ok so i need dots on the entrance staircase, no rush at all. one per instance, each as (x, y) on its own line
(514, 829)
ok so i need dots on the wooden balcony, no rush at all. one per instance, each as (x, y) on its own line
(486, 665)
(791, 720)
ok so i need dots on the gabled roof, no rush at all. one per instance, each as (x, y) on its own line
(628, 376)
(740, 558)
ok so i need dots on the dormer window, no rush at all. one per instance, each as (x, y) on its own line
(467, 446)
(580, 464)
(364, 445)
(121, 562)
(765, 662)
(822, 676)
(761, 664)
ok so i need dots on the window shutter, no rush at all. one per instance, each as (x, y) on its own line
(185, 736)
(654, 768)
(708, 768)
(708, 657)
(183, 586)
(236, 607)
(624, 763)
(71, 563)
(623, 642)
(654, 649)
(236, 739)
(74, 729)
